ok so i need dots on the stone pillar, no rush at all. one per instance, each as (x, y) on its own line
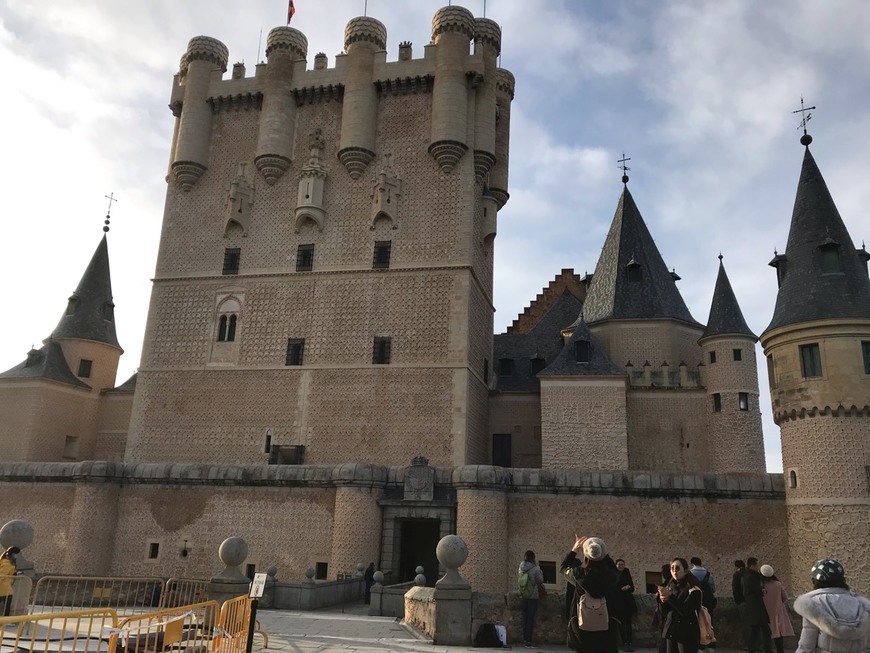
(482, 522)
(284, 46)
(498, 176)
(356, 524)
(452, 29)
(452, 596)
(204, 57)
(231, 582)
(487, 42)
(363, 37)
(93, 518)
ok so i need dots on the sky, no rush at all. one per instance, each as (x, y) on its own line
(699, 94)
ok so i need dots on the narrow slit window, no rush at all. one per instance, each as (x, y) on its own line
(811, 360)
(381, 350)
(738, 354)
(743, 400)
(85, 367)
(295, 351)
(717, 402)
(712, 356)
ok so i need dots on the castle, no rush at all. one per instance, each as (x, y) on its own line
(320, 376)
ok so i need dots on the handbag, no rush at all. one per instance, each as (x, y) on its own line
(705, 624)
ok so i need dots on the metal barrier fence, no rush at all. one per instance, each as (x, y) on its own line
(188, 627)
(232, 633)
(80, 631)
(183, 591)
(124, 595)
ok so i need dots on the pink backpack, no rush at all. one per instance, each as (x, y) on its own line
(592, 613)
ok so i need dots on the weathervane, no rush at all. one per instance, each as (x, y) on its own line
(624, 167)
(806, 139)
(111, 198)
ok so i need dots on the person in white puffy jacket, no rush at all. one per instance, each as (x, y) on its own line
(836, 620)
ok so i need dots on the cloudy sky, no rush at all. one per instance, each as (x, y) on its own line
(699, 94)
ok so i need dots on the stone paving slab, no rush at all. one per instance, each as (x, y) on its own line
(349, 628)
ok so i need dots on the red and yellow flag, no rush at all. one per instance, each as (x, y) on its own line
(290, 11)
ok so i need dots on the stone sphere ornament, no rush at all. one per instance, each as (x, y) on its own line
(452, 552)
(16, 533)
(419, 570)
(420, 580)
(233, 551)
(379, 577)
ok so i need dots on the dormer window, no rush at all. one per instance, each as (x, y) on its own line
(72, 304)
(633, 271)
(109, 311)
(537, 364)
(779, 262)
(582, 351)
(831, 257)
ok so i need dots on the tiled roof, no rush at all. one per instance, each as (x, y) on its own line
(127, 386)
(90, 314)
(806, 292)
(599, 363)
(611, 295)
(543, 341)
(47, 362)
(725, 314)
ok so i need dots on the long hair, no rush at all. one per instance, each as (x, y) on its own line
(688, 577)
(8, 553)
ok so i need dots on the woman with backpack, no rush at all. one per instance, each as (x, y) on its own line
(530, 585)
(680, 600)
(774, 601)
(593, 626)
(835, 618)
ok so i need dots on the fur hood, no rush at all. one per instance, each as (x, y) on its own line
(838, 613)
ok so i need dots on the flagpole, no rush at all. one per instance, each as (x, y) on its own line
(259, 43)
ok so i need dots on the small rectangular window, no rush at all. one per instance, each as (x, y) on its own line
(743, 400)
(381, 258)
(320, 570)
(153, 550)
(486, 371)
(501, 449)
(548, 569)
(295, 351)
(712, 356)
(738, 354)
(537, 364)
(865, 349)
(582, 351)
(85, 368)
(71, 448)
(505, 367)
(232, 255)
(381, 351)
(811, 360)
(717, 402)
(304, 258)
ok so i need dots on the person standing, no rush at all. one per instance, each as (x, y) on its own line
(737, 594)
(535, 581)
(7, 571)
(835, 618)
(757, 622)
(704, 576)
(571, 566)
(680, 600)
(627, 605)
(598, 580)
(369, 579)
(775, 603)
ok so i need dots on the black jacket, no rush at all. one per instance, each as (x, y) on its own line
(598, 580)
(753, 592)
(680, 612)
(737, 586)
(627, 605)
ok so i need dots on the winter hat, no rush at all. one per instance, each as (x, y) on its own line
(826, 570)
(594, 548)
(766, 571)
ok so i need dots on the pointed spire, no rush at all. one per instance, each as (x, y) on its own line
(631, 280)
(725, 314)
(90, 313)
(822, 275)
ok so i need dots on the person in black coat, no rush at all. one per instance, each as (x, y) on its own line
(680, 600)
(598, 579)
(755, 614)
(627, 606)
(571, 565)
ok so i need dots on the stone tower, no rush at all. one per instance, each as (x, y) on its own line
(323, 289)
(733, 416)
(818, 356)
(51, 401)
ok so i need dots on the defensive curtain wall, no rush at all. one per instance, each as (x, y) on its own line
(97, 518)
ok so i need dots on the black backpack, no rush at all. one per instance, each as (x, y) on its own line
(487, 637)
(708, 599)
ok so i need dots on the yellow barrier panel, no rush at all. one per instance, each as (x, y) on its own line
(188, 627)
(80, 631)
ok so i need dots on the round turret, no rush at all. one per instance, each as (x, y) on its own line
(487, 32)
(205, 48)
(505, 82)
(287, 38)
(453, 19)
(363, 29)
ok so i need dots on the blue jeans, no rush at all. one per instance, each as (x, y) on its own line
(530, 609)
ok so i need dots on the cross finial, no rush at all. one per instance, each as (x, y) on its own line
(806, 139)
(111, 198)
(624, 167)
(720, 257)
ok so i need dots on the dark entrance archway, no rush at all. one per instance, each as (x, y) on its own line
(417, 541)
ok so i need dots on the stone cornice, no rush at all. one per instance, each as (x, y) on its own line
(322, 93)
(405, 85)
(238, 102)
(826, 411)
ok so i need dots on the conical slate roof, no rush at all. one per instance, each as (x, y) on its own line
(566, 363)
(90, 312)
(806, 291)
(612, 295)
(725, 314)
(47, 362)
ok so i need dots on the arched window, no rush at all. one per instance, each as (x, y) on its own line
(228, 318)
(231, 328)
(222, 329)
(792, 479)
